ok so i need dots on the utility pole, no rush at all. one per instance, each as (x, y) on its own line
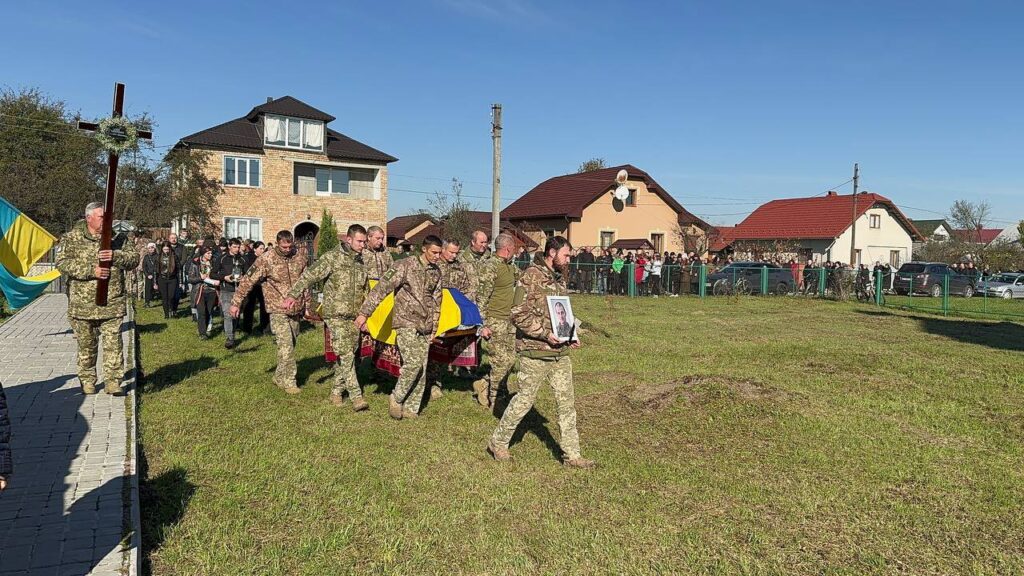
(496, 169)
(853, 231)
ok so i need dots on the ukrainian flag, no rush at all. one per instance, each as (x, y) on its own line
(22, 243)
(457, 311)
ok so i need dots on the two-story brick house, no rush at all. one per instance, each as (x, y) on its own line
(281, 166)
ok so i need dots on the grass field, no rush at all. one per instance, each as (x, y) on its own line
(734, 436)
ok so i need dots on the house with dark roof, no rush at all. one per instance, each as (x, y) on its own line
(582, 208)
(822, 228)
(401, 228)
(937, 230)
(423, 226)
(281, 165)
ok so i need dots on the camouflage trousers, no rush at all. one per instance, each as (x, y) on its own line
(500, 355)
(345, 340)
(286, 332)
(411, 383)
(532, 373)
(89, 333)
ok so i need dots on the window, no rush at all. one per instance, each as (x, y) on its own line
(607, 238)
(290, 132)
(318, 180)
(659, 242)
(894, 258)
(631, 199)
(331, 181)
(875, 221)
(241, 171)
(244, 228)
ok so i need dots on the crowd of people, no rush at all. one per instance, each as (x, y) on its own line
(235, 276)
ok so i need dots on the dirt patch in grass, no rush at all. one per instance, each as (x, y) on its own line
(697, 389)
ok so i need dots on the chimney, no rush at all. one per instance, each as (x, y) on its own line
(832, 193)
(270, 99)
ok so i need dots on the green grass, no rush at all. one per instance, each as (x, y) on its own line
(734, 436)
(979, 306)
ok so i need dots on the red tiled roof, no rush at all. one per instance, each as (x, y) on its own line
(982, 236)
(819, 217)
(721, 238)
(566, 196)
(400, 225)
(438, 230)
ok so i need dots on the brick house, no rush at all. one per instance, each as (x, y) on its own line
(281, 166)
(581, 208)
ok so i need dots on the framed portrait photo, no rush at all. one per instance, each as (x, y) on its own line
(563, 321)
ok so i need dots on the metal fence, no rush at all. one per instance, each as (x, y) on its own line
(953, 294)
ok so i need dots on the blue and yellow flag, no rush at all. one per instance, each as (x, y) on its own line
(22, 243)
(456, 311)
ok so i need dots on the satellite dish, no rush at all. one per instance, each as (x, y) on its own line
(621, 192)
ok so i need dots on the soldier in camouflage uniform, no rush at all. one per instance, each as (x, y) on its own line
(78, 261)
(542, 357)
(279, 269)
(377, 257)
(495, 294)
(416, 284)
(344, 276)
(477, 260)
(453, 275)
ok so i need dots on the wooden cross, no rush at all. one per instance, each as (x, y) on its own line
(108, 205)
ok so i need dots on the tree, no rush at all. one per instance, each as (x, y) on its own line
(48, 168)
(591, 165)
(1020, 232)
(453, 213)
(328, 234)
(970, 216)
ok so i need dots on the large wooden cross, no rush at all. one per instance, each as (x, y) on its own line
(108, 206)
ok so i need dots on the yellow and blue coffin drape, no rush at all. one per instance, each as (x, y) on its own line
(457, 312)
(22, 243)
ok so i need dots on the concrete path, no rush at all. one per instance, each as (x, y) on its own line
(64, 510)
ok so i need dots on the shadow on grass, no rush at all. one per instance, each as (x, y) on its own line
(997, 335)
(171, 374)
(154, 328)
(534, 423)
(163, 500)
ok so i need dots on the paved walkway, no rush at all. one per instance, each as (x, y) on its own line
(63, 511)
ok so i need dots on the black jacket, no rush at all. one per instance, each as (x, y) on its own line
(6, 460)
(225, 268)
(149, 265)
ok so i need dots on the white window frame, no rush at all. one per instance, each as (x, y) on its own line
(330, 181)
(613, 231)
(236, 158)
(302, 133)
(250, 219)
(378, 171)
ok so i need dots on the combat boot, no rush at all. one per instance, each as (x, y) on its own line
(480, 389)
(112, 389)
(435, 392)
(394, 408)
(409, 414)
(293, 389)
(359, 404)
(499, 454)
(89, 389)
(336, 399)
(579, 462)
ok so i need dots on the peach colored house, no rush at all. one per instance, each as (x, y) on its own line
(581, 207)
(281, 166)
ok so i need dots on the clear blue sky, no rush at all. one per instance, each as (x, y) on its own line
(727, 104)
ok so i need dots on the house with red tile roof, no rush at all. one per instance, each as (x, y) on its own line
(482, 220)
(582, 208)
(821, 228)
(983, 236)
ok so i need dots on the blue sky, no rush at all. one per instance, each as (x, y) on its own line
(726, 103)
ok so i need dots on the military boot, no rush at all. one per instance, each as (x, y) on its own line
(499, 454)
(112, 389)
(293, 389)
(336, 399)
(394, 408)
(359, 404)
(579, 462)
(480, 389)
(408, 414)
(89, 389)
(435, 392)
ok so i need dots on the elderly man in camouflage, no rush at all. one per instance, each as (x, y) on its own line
(477, 259)
(453, 275)
(79, 262)
(495, 295)
(377, 258)
(279, 269)
(416, 284)
(542, 357)
(344, 276)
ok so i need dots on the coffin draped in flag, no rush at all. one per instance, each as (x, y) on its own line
(22, 244)
(457, 313)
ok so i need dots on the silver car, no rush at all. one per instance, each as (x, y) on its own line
(1009, 285)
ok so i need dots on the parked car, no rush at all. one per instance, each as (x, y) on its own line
(745, 277)
(1010, 285)
(929, 278)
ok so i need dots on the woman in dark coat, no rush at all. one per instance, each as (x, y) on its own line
(204, 290)
(6, 461)
(149, 261)
(167, 277)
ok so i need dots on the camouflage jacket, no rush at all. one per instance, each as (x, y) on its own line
(344, 276)
(455, 275)
(377, 262)
(417, 288)
(530, 313)
(77, 261)
(278, 274)
(481, 273)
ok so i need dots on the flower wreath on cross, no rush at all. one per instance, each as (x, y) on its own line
(117, 134)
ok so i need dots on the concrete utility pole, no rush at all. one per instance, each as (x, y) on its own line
(853, 231)
(496, 168)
